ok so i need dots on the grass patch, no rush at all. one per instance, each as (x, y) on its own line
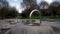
(53, 17)
(38, 17)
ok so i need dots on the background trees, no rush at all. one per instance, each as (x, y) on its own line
(54, 8)
(26, 12)
(47, 10)
(12, 13)
(30, 5)
(6, 11)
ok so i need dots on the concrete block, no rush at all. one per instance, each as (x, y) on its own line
(38, 30)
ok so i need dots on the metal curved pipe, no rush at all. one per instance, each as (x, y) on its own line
(33, 12)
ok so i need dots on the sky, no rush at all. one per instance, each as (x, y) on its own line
(17, 3)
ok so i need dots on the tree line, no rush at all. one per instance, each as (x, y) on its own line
(47, 10)
(7, 11)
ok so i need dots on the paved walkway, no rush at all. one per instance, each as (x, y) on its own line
(22, 29)
(17, 27)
